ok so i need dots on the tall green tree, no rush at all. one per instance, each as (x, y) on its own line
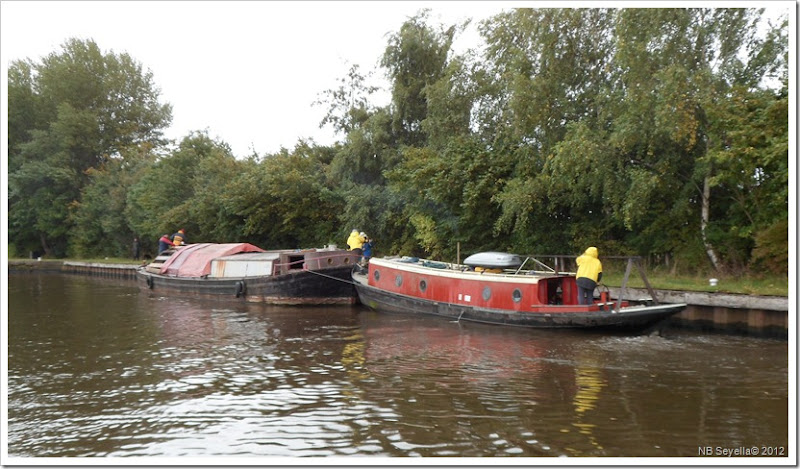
(547, 68)
(71, 112)
(415, 58)
(348, 105)
(546, 72)
(23, 115)
(100, 220)
(679, 69)
(624, 155)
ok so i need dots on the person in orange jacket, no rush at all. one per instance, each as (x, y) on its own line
(179, 238)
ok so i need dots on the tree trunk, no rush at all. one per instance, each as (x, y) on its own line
(45, 246)
(704, 215)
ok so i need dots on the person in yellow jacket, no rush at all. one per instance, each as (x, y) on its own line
(590, 271)
(356, 242)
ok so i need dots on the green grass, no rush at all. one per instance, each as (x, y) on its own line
(108, 260)
(773, 285)
(97, 260)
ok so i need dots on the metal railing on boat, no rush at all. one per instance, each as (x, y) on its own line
(631, 261)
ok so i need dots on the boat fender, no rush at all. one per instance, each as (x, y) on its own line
(240, 289)
(150, 282)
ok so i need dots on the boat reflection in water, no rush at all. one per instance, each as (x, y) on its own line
(464, 390)
(565, 392)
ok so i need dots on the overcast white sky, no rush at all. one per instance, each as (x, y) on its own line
(249, 71)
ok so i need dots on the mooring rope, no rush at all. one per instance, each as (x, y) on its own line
(459, 316)
(351, 282)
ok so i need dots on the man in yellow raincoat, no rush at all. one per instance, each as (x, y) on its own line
(355, 241)
(590, 271)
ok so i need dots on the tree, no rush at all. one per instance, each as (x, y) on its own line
(285, 201)
(348, 105)
(546, 79)
(40, 192)
(547, 68)
(23, 117)
(186, 189)
(71, 113)
(450, 104)
(449, 194)
(415, 58)
(630, 152)
(679, 69)
(101, 226)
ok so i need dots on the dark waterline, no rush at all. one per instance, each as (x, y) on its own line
(97, 368)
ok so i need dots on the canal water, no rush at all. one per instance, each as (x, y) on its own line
(97, 368)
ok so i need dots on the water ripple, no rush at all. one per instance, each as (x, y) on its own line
(103, 372)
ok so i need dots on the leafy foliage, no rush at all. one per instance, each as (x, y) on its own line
(101, 217)
(415, 58)
(69, 115)
(660, 132)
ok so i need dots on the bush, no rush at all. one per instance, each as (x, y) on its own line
(772, 248)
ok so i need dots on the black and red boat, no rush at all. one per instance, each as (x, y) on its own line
(493, 288)
(248, 273)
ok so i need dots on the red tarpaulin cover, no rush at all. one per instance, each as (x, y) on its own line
(194, 260)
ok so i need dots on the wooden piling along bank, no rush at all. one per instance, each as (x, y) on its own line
(766, 316)
(123, 271)
(96, 269)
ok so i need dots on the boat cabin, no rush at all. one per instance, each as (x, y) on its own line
(237, 260)
(258, 264)
(476, 285)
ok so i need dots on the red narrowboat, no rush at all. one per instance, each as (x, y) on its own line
(493, 288)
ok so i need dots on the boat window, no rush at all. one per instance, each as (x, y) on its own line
(377, 275)
(398, 280)
(487, 293)
(296, 262)
(516, 295)
(423, 285)
(347, 260)
(330, 261)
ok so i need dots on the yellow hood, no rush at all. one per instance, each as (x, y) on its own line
(589, 265)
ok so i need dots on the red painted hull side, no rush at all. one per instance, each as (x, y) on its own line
(520, 293)
(512, 300)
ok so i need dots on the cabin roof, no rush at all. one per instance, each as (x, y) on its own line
(194, 260)
(251, 256)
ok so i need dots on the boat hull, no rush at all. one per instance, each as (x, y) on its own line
(629, 319)
(299, 287)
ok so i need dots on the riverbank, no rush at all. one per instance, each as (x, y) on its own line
(98, 269)
(758, 315)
